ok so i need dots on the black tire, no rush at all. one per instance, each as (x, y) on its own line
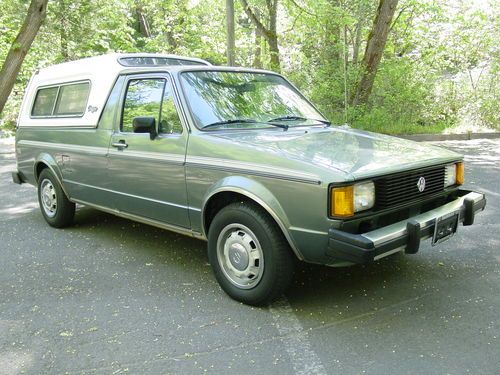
(276, 273)
(57, 211)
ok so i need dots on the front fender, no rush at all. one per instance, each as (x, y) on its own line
(257, 193)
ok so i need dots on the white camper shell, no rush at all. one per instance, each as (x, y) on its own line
(88, 80)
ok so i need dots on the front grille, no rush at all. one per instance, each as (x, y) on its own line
(402, 187)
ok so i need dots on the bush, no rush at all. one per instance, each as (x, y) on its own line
(403, 100)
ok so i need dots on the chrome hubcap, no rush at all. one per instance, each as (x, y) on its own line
(48, 198)
(240, 256)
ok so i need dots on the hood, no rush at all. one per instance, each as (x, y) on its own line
(358, 153)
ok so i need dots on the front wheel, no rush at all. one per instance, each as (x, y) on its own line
(249, 255)
(57, 210)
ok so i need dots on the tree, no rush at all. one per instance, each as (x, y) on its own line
(37, 12)
(63, 29)
(230, 32)
(270, 32)
(358, 30)
(142, 22)
(426, 66)
(374, 49)
(257, 56)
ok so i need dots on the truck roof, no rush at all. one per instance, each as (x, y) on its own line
(116, 62)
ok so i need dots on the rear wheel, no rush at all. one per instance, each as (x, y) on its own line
(249, 255)
(56, 208)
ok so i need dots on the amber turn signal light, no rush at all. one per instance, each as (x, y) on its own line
(341, 201)
(460, 173)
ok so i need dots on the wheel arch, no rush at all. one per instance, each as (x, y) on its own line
(43, 161)
(233, 189)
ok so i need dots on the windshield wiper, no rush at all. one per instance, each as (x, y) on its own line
(294, 118)
(244, 121)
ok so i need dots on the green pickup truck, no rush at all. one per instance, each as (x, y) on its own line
(237, 157)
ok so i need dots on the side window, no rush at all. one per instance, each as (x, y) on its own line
(45, 101)
(143, 98)
(64, 100)
(169, 122)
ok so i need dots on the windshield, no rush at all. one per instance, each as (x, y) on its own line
(220, 99)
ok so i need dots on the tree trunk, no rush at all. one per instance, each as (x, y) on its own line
(169, 31)
(275, 53)
(358, 33)
(18, 50)
(272, 7)
(269, 33)
(142, 22)
(257, 60)
(63, 36)
(230, 32)
(144, 25)
(357, 42)
(374, 49)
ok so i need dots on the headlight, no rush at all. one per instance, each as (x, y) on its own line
(454, 174)
(364, 196)
(346, 200)
(450, 175)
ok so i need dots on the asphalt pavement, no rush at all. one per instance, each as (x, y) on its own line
(111, 296)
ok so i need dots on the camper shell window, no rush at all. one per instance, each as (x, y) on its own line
(65, 100)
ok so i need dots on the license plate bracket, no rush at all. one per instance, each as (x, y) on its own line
(445, 227)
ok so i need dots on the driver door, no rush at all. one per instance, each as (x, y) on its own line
(146, 173)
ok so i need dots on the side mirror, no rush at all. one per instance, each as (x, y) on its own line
(143, 124)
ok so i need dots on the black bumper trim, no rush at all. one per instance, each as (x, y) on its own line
(469, 211)
(356, 248)
(414, 235)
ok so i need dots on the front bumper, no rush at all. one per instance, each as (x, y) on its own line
(404, 235)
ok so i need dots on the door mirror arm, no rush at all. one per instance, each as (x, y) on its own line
(153, 133)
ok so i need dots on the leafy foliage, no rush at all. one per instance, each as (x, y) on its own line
(439, 68)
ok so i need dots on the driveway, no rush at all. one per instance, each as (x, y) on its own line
(110, 296)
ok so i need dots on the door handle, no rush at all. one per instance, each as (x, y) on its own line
(120, 144)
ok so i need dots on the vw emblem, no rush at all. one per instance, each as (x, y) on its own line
(421, 184)
(236, 257)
